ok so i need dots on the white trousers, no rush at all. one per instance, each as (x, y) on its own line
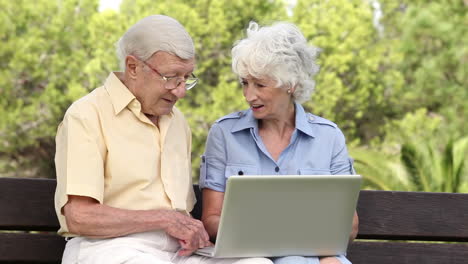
(142, 248)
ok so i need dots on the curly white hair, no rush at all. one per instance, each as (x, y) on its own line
(280, 52)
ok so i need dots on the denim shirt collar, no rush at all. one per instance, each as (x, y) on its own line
(247, 120)
(303, 121)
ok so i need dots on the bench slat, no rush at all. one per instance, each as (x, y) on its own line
(27, 204)
(48, 248)
(413, 216)
(407, 253)
(31, 248)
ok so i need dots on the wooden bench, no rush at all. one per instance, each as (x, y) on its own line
(28, 225)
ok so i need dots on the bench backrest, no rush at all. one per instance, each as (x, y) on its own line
(28, 205)
(426, 219)
(28, 221)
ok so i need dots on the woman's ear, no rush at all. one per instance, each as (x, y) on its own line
(292, 89)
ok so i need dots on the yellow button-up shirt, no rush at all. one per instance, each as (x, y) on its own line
(107, 149)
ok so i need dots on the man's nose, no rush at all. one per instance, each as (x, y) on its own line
(179, 91)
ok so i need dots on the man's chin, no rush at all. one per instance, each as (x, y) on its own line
(164, 110)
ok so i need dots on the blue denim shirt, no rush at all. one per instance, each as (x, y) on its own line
(234, 147)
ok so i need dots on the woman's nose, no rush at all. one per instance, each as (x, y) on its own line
(249, 93)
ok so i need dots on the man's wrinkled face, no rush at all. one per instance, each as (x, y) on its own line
(156, 95)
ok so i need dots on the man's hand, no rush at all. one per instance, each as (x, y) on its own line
(189, 231)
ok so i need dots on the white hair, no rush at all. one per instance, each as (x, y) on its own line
(155, 33)
(279, 52)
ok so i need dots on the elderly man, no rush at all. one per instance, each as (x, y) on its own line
(124, 189)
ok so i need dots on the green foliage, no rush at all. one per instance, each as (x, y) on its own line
(42, 57)
(398, 94)
(417, 155)
(433, 170)
(432, 107)
(431, 36)
(380, 171)
(358, 77)
(422, 167)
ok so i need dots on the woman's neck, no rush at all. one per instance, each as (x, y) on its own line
(276, 133)
(281, 124)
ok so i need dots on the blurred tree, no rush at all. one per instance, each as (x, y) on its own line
(43, 55)
(417, 155)
(431, 37)
(432, 107)
(358, 80)
(434, 170)
(378, 85)
(424, 166)
(379, 170)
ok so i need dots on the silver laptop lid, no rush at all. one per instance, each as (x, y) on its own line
(281, 215)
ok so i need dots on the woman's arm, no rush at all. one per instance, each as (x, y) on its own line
(212, 205)
(342, 164)
(213, 180)
(355, 227)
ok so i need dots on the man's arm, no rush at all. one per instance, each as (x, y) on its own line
(87, 217)
(212, 206)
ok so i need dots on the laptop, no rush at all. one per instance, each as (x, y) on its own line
(285, 215)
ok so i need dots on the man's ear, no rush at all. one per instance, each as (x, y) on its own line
(131, 63)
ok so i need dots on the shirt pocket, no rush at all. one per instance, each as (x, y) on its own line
(240, 169)
(314, 171)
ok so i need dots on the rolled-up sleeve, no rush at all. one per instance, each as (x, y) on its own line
(341, 163)
(213, 165)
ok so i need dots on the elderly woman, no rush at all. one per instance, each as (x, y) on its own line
(275, 135)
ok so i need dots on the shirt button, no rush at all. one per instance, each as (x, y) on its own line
(240, 173)
(277, 169)
(311, 118)
(203, 158)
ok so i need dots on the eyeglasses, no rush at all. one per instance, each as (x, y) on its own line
(174, 82)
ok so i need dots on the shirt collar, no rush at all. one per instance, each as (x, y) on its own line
(119, 94)
(302, 121)
(247, 120)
